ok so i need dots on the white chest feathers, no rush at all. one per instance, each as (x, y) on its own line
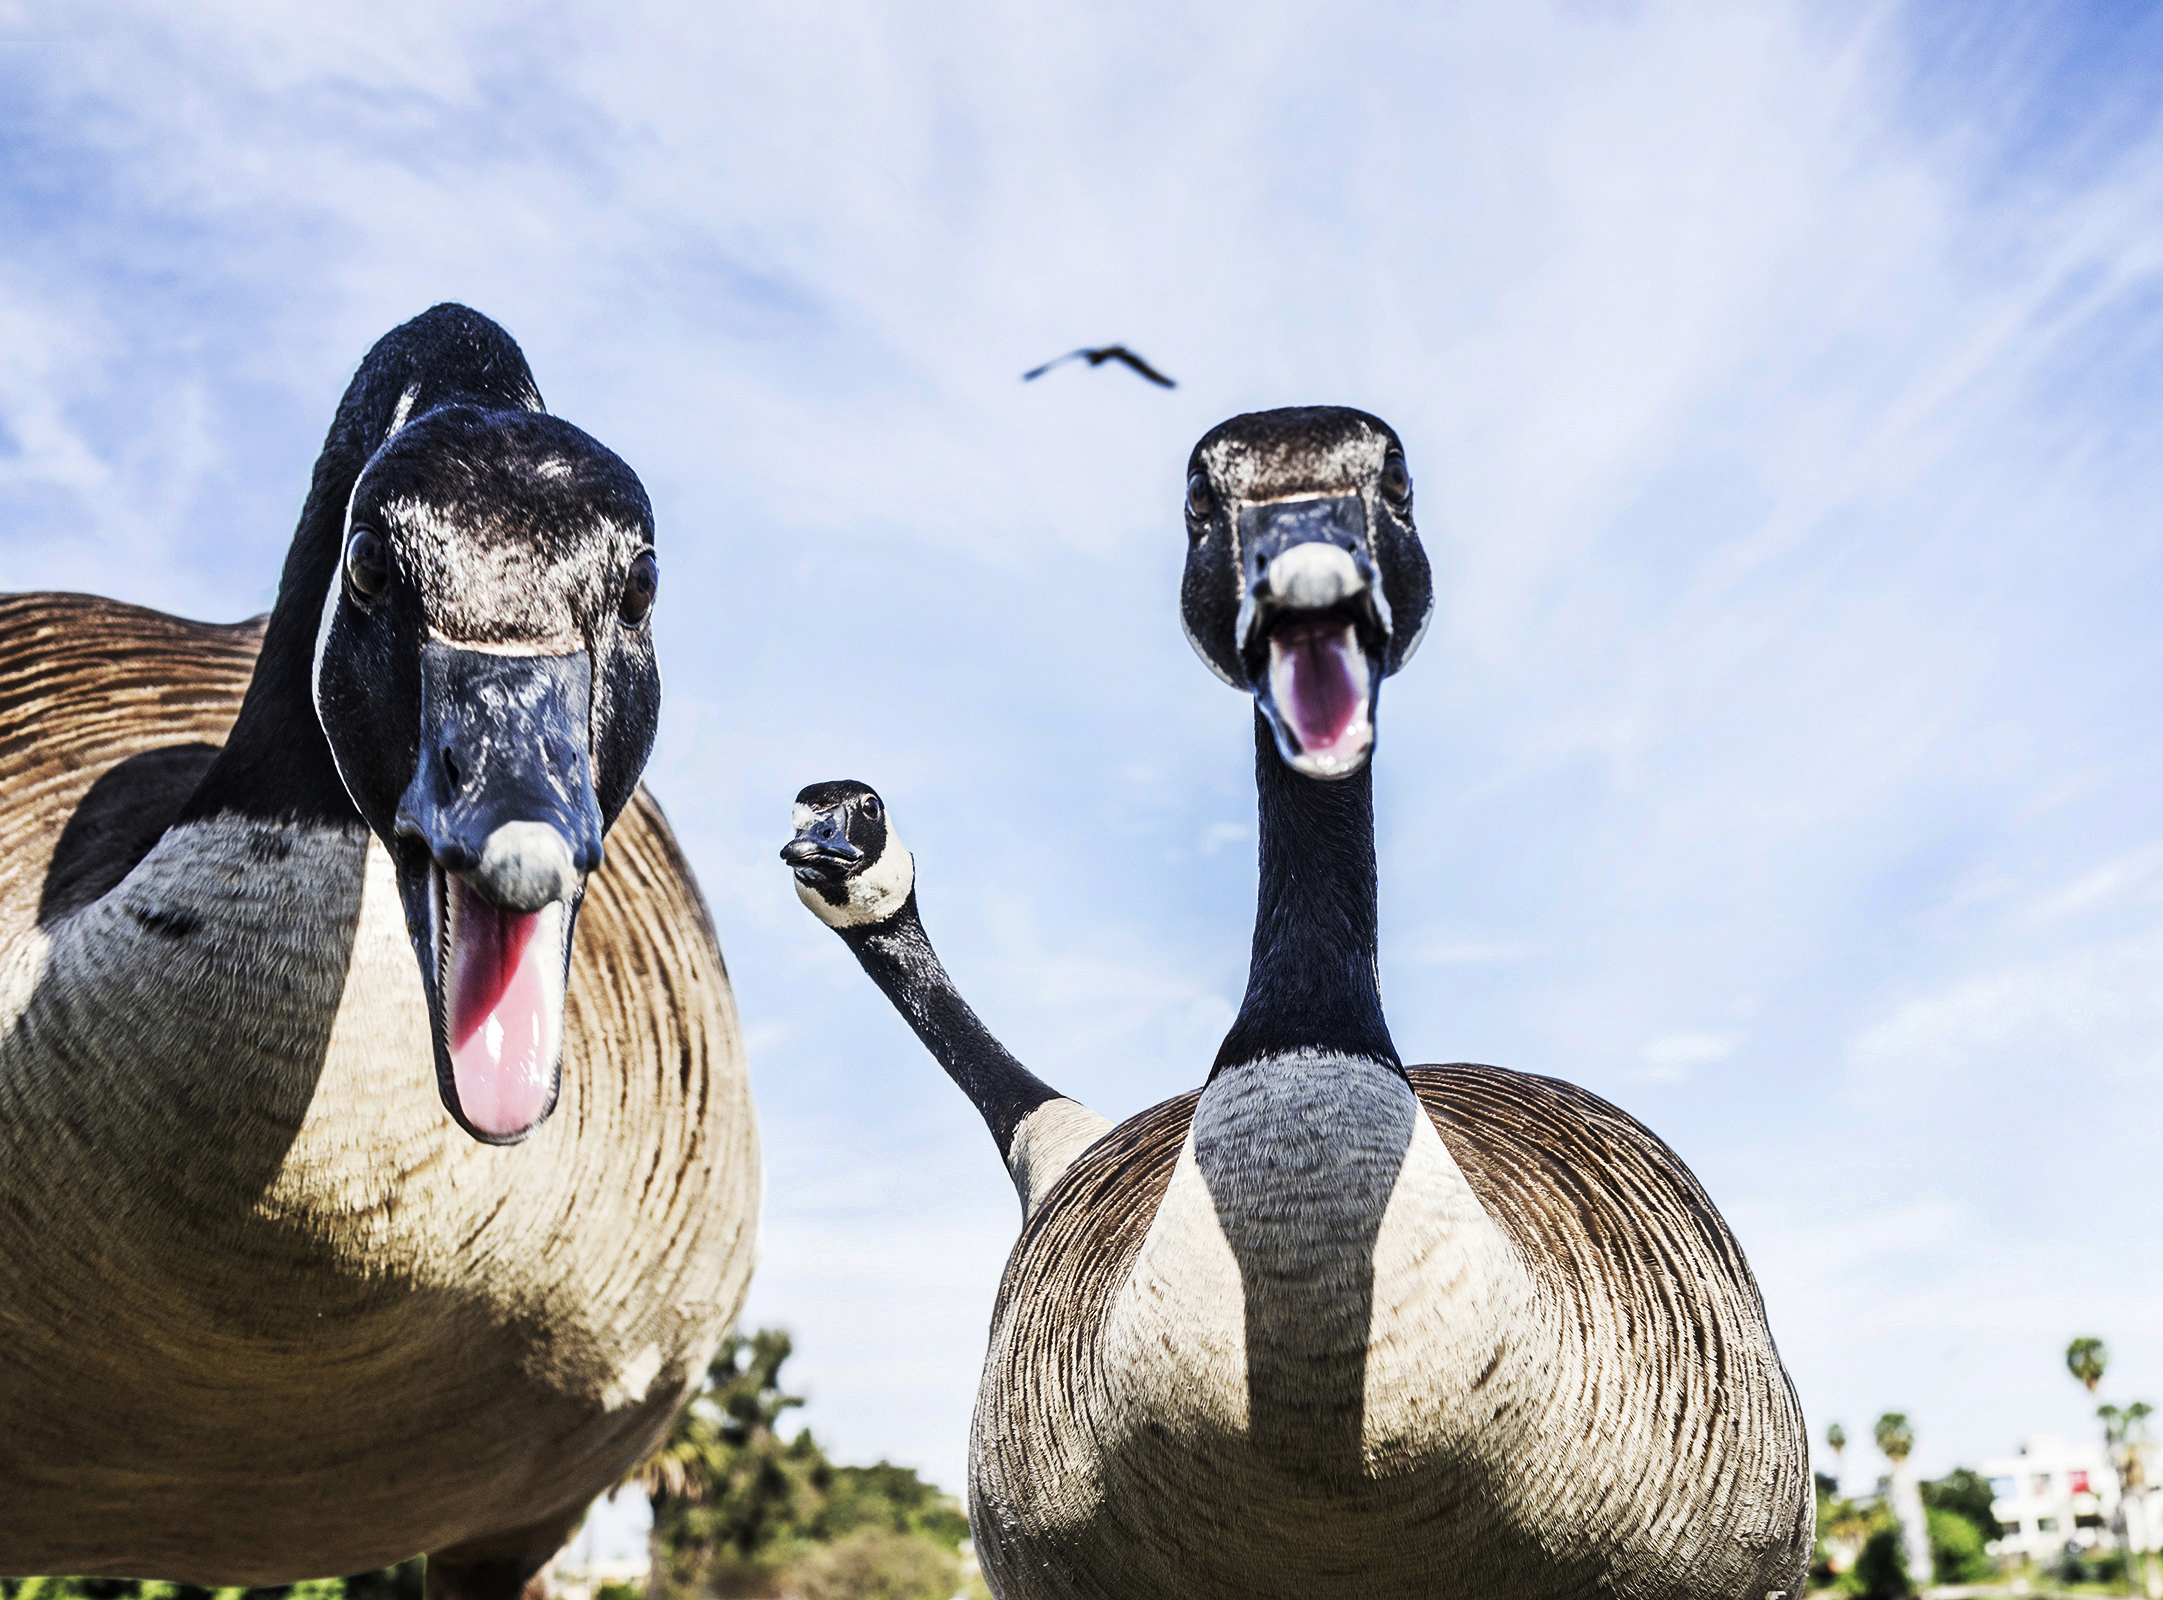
(1045, 1145)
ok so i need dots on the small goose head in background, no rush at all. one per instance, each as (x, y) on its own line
(1305, 582)
(850, 867)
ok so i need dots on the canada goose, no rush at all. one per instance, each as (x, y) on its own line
(1336, 1327)
(377, 1166)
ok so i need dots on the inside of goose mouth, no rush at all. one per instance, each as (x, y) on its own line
(499, 1003)
(1317, 689)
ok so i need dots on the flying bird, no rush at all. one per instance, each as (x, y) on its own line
(1097, 358)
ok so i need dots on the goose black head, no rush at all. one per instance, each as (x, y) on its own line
(850, 867)
(483, 670)
(1305, 582)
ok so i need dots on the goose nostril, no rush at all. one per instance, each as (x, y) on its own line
(454, 779)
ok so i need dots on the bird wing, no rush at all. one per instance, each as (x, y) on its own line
(1038, 372)
(1120, 352)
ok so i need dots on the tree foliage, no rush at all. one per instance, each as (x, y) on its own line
(1956, 1548)
(1895, 1436)
(1881, 1571)
(1965, 1493)
(740, 1510)
(402, 1582)
(2086, 1359)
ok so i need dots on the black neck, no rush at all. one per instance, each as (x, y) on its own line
(902, 963)
(1311, 984)
(276, 764)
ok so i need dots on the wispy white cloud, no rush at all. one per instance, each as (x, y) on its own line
(1673, 1057)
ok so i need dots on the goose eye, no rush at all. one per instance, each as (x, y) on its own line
(639, 587)
(1199, 499)
(367, 568)
(872, 808)
(1396, 480)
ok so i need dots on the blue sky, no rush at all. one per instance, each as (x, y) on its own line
(1781, 387)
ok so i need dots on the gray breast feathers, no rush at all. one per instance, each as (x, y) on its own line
(1614, 1420)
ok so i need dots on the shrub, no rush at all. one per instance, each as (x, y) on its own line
(1881, 1571)
(878, 1564)
(1956, 1548)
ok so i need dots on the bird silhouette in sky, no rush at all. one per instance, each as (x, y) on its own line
(1097, 358)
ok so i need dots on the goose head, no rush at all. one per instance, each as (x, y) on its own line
(1305, 581)
(484, 674)
(851, 868)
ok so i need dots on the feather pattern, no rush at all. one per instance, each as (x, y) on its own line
(269, 1312)
(1640, 1378)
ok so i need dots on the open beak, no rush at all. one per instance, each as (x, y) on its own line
(497, 832)
(1313, 630)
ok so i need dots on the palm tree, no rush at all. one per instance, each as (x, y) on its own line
(2085, 1359)
(2125, 1439)
(680, 1471)
(1896, 1437)
(704, 1456)
(1836, 1439)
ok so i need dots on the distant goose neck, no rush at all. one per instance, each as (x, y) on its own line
(898, 956)
(1312, 982)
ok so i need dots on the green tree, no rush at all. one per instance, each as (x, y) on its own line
(1965, 1493)
(1881, 1571)
(1895, 1437)
(878, 1564)
(2086, 1359)
(739, 1510)
(1836, 1439)
(889, 1497)
(1956, 1548)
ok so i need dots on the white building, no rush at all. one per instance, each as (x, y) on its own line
(2051, 1495)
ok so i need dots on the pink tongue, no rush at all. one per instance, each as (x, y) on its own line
(1323, 698)
(506, 1020)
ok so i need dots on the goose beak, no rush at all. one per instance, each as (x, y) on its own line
(1313, 630)
(498, 830)
(821, 854)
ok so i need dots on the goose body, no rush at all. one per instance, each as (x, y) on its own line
(287, 1286)
(1333, 1326)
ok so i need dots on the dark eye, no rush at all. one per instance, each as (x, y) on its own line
(367, 568)
(872, 808)
(1396, 480)
(639, 586)
(1200, 502)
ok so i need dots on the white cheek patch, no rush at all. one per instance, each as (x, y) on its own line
(875, 894)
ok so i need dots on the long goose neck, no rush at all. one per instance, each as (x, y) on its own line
(1312, 982)
(277, 764)
(898, 955)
